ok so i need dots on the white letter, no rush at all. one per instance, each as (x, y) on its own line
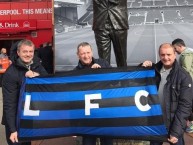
(28, 112)
(88, 104)
(137, 100)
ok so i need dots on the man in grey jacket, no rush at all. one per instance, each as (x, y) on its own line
(186, 61)
(110, 24)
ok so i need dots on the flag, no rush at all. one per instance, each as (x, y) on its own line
(114, 102)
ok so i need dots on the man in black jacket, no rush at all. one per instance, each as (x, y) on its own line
(110, 24)
(24, 65)
(86, 61)
(46, 55)
(175, 93)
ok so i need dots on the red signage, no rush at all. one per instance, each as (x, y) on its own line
(25, 10)
(17, 25)
(27, 19)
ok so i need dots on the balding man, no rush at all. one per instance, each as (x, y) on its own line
(175, 92)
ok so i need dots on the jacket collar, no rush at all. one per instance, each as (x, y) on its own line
(35, 62)
(82, 66)
(159, 65)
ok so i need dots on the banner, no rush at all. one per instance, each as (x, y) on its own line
(116, 102)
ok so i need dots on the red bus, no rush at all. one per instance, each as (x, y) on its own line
(25, 19)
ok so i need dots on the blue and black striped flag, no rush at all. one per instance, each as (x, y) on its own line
(115, 102)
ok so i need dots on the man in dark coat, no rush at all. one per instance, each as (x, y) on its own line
(86, 61)
(110, 24)
(175, 93)
(23, 65)
(46, 54)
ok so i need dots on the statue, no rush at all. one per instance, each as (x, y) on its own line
(110, 24)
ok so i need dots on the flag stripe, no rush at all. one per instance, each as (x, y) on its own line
(104, 103)
(105, 131)
(93, 77)
(80, 95)
(159, 138)
(113, 112)
(96, 122)
(88, 85)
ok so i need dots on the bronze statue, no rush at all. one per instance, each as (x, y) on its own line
(110, 24)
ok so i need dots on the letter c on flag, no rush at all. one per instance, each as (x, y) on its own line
(138, 95)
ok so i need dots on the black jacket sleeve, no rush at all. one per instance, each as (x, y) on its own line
(183, 110)
(10, 90)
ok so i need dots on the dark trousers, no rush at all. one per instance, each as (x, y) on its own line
(180, 142)
(92, 141)
(9, 142)
(119, 40)
(191, 117)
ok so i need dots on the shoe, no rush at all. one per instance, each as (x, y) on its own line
(189, 128)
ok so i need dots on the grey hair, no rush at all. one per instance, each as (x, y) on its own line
(82, 44)
(25, 42)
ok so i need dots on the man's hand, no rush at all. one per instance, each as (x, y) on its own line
(31, 74)
(147, 63)
(13, 137)
(95, 66)
(172, 139)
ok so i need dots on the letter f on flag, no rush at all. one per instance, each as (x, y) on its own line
(88, 104)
